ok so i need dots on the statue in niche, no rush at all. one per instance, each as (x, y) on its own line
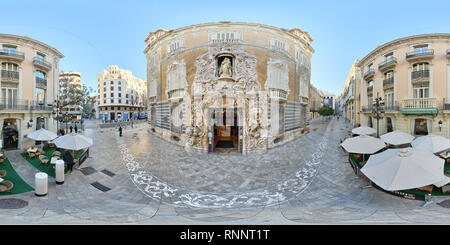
(225, 68)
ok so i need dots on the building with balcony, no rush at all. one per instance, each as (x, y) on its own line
(315, 102)
(70, 95)
(413, 79)
(239, 85)
(120, 95)
(29, 85)
(350, 103)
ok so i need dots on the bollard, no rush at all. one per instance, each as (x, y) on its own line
(59, 172)
(41, 184)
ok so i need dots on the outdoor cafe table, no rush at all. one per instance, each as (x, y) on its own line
(32, 150)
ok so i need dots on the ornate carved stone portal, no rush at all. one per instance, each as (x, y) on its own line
(241, 90)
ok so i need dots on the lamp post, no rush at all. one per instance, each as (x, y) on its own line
(56, 112)
(378, 111)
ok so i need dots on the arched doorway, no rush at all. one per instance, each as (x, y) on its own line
(225, 129)
(10, 134)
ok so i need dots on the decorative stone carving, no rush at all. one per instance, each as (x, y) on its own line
(225, 68)
(245, 93)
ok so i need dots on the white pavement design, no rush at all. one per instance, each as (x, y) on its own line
(308, 181)
(155, 188)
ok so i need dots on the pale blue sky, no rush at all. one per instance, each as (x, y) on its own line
(94, 34)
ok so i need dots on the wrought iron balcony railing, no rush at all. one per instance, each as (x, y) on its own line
(420, 74)
(40, 106)
(367, 108)
(41, 62)
(12, 54)
(392, 106)
(369, 74)
(388, 81)
(41, 81)
(10, 74)
(421, 53)
(388, 63)
(13, 105)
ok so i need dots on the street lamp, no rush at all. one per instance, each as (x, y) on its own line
(378, 111)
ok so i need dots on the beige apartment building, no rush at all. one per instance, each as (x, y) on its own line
(412, 76)
(315, 102)
(29, 85)
(240, 86)
(70, 95)
(121, 96)
(349, 98)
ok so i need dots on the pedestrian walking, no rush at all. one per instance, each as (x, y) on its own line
(68, 159)
(120, 131)
(71, 128)
(76, 129)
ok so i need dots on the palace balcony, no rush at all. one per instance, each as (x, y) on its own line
(387, 65)
(11, 55)
(420, 106)
(420, 55)
(41, 63)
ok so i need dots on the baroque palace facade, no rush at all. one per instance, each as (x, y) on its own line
(228, 85)
(412, 76)
(29, 86)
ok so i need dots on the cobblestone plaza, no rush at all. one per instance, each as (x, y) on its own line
(141, 179)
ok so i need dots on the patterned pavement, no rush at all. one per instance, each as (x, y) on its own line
(149, 181)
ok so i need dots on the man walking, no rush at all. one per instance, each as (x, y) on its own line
(76, 129)
(71, 128)
(68, 159)
(120, 131)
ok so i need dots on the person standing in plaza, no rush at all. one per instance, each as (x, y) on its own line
(68, 159)
(71, 128)
(120, 131)
(76, 129)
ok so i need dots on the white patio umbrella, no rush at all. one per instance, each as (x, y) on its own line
(397, 138)
(363, 144)
(73, 142)
(402, 169)
(42, 135)
(432, 143)
(363, 130)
